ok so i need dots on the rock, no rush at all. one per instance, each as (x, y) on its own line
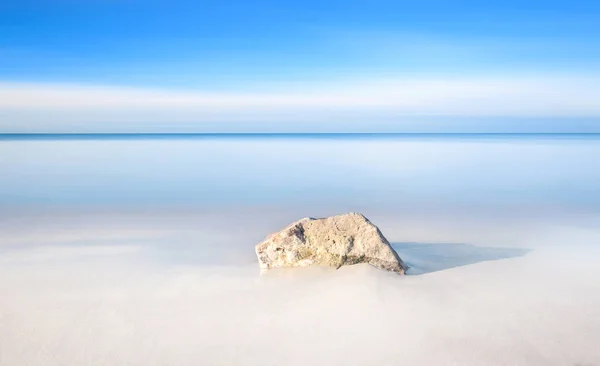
(333, 241)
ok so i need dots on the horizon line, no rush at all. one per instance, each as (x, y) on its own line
(125, 135)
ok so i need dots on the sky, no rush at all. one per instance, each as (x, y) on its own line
(299, 66)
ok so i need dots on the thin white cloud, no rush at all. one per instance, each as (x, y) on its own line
(48, 105)
(469, 96)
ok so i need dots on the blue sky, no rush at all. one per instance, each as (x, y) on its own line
(129, 65)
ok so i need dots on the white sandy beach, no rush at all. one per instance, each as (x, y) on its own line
(136, 289)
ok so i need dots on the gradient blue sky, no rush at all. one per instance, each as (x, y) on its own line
(107, 65)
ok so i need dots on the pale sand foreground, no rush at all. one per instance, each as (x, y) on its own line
(120, 301)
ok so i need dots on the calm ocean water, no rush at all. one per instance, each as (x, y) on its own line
(524, 172)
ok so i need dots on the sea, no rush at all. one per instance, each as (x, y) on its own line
(340, 172)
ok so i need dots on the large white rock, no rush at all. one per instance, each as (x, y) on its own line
(333, 241)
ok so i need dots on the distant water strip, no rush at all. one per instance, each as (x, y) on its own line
(300, 136)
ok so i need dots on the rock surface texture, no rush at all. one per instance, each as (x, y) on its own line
(333, 241)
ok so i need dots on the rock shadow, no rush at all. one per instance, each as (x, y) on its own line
(428, 257)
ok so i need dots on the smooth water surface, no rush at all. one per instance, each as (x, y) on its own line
(345, 171)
